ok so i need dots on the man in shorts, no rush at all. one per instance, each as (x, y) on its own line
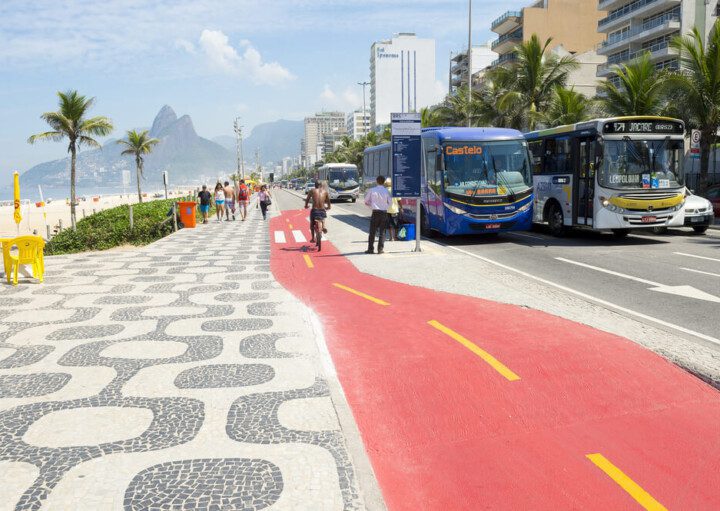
(243, 198)
(320, 203)
(229, 200)
(204, 196)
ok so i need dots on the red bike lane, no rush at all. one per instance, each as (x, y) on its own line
(464, 403)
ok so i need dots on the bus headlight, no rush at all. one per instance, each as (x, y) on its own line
(455, 210)
(524, 208)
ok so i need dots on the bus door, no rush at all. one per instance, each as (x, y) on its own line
(432, 191)
(583, 184)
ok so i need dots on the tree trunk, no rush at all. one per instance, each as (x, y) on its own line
(705, 147)
(73, 161)
(138, 171)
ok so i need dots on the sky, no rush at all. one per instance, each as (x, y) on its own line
(212, 59)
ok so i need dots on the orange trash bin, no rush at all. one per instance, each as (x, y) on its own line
(187, 214)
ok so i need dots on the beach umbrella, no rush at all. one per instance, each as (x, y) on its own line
(16, 185)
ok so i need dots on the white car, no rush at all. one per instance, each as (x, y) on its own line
(698, 214)
(309, 186)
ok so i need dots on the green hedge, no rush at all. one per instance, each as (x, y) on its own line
(111, 228)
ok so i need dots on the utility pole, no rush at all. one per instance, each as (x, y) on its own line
(240, 163)
(365, 125)
(469, 64)
(258, 168)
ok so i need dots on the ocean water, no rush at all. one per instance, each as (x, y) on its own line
(60, 194)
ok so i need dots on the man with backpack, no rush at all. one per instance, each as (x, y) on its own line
(243, 198)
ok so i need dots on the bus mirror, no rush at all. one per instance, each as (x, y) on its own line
(439, 161)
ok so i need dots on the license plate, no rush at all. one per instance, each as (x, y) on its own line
(648, 219)
(696, 219)
(492, 226)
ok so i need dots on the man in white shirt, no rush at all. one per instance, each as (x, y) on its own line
(379, 200)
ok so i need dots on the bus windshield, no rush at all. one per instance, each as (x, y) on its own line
(487, 168)
(343, 179)
(632, 163)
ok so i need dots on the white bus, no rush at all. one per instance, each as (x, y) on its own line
(609, 174)
(343, 180)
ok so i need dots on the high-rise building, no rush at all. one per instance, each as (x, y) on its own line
(402, 76)
(482, 57)
(317, 126)
(632, 27)
(571, 23)
(331, 141)
(358, 125)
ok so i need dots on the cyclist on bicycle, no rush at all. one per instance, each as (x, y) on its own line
(320, 202)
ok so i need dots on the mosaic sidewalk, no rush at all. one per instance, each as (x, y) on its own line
(175, 376)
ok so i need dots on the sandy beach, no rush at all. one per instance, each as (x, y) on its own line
(35, 219)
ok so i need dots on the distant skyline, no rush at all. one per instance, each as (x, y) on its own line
(213, 60)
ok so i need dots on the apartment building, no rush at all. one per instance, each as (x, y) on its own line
(571, 23)
(402, 76)
(482, 57)
(315, 127)
(632, 27)
(358, 125)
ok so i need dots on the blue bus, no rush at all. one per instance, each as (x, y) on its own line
(474, 180)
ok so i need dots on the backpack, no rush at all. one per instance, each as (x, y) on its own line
(243, 193)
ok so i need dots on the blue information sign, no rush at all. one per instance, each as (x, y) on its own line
(406, 155)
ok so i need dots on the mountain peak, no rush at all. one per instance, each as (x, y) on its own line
(165, 117)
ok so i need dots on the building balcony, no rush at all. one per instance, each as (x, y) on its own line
(507, 42)
(507, 22)
(658, 52)
(504, 59)
(649, 30)
(635, 9)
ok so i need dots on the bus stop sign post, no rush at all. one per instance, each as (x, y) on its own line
(406, 160)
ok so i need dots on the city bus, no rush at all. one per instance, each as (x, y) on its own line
(473, 180)
(343, 180)
(611, 174)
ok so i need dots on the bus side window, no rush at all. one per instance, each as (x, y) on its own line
(431, 170)
(550, 166)
(536, 155)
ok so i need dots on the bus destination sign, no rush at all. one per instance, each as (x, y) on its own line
(650, 127)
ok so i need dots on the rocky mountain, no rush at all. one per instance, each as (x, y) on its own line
(275, 140)
(187, 156)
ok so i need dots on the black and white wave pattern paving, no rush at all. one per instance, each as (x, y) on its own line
(175, 376)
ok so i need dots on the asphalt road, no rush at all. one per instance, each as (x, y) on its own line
(673, 278)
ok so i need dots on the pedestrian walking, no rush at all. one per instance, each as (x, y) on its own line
(243, 199)
(393, 213)
(379, 200)
(229, 200)
(219, 201)
(264, 200)
(205, 197)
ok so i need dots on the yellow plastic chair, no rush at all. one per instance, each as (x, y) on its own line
(30, 251)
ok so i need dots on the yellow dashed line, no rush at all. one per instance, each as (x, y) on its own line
(308, 261)
(634, 490)
(361, 294)
(487, 357)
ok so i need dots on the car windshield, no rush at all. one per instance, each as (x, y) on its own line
(343, 179)
(487, 168)
(630, 163)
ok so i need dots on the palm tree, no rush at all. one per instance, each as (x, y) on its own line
(70, 122)
(641, 90)
(456, 108)
(699, 83)
(567, 107)
(532, 78)
(138, 144)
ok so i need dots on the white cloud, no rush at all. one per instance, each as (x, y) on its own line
(186, 45)
(222, 55)
(346, 100)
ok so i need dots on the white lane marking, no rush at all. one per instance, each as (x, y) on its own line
(280, 237)
(587, 296)
(703, 272)
(299, 236)
(686, 291)
(697, 256)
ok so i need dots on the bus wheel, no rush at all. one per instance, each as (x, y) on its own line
(700, 229)
(556, 220)
(620, 233)
(353, 199)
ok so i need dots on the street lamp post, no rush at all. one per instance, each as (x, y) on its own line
(469, 61)
(365, 127)
(240, 159)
